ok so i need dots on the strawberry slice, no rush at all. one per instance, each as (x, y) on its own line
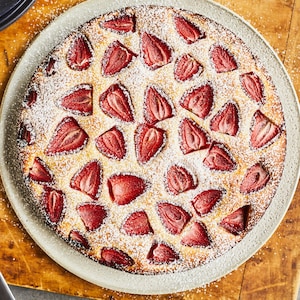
(253, 86)
(79, 100)
(204, 202)
(179, 180)
(115, 258)
(255, 179)
(157, 106)
(92, 215)
(88, 179)
(40, 172)
(226, 120)
(222, 60)
(192, 136)
(263, 131)
(124, 188)
(26, 134)
(137, 224)
(116, 102)
(149, 141)
(199, 100)
(186, 68)
(68, 138)
(122, 24)
(50, 67)
(112, 143)
(236, 222)
(218, 158)
(80, 54)
(78, 239)
(116, 58)
(173, 217)
(155, 52)
(160, 253)
(187, 30)
(30, 97)
(54, 203)
(196, 236)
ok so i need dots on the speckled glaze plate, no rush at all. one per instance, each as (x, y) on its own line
(72, 260)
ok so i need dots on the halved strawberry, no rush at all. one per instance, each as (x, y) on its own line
(179, 180)
(26, 135)
(155, 52)
(112, 143)
(253, 86)
(222, 59)
(236, 222)
(137, 224)
(116, 57)
(192, 136)
(204, 202)
(160, 253)
(30, 97)
(122, 24)
(88, 179)
(116, 102)
(68, 138)
(263, 130)
(80, 54)
(124, 188)
(255, 179)
(77, 239)
(149, 141)
(226, 120)
(198, 100)
(196, 236)
(92, 215)
(187, 30)
(218, 158)
(40, 172)
(186, 67)
(50, 67)
(173, 217)
(157, 106)
(115, 258)
(79, 100)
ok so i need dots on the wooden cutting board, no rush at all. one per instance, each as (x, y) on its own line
(272, 273)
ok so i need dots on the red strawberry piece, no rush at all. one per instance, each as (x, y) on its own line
(92, 215)
(173, 217)
(199, 100)
(196, 236)
(79, 100)
(226, 120)
(255, 179)
(253, 86)
(223, 61)
(155, 52)
(26, 135)
(192, 136)
(30, 97)
(186, 67)
(115, 258)
(78, 239)
(112, 144)
(137, 224)
(161, 253)
(149, 141)
(122, 24)
(187, 30)
(50, 67)
(124, 188)
(236, 222)
(179, 180)
(116, 58)
(116, 102)
(68, 138)
(263, 130)
(80, 55)
(40, 172)
(88, 179)
(218, 158)
(206, 200)
(54, 202)
(157, 106)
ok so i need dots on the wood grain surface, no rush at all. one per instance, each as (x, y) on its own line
(272, 273)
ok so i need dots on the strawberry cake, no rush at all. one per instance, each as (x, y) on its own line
(151, 139)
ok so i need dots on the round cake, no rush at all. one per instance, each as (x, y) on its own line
(152, 139)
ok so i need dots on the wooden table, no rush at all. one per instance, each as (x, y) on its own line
(272, 273)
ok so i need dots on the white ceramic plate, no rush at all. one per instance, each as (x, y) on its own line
(72, 260)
